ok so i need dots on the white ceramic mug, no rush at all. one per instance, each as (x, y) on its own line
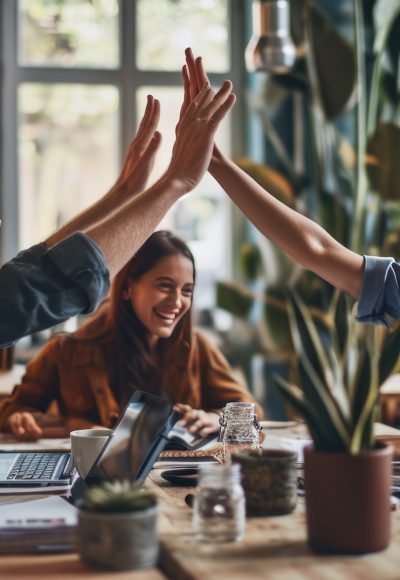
(86, 445)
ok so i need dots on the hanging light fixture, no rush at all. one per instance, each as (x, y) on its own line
(271, 47)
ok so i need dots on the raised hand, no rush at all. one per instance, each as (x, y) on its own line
(195, 134)
(194, 78)
(141, 153)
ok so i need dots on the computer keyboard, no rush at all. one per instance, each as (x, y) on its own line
(35, 466)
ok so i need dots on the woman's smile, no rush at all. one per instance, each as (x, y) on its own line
(163, 295)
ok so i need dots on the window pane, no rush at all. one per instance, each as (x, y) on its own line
(70, 33)
(68, 153)
(202, 217)
(167, 27)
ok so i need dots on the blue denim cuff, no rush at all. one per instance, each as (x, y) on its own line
(380, 294)
(82, 261)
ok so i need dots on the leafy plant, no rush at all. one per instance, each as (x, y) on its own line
(117, 496)
(340, 369)
(346, 180)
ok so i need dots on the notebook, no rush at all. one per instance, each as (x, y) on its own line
(137, 440)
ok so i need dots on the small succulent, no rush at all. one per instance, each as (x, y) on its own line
(117, 496)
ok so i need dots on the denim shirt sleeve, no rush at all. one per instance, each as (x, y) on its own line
(380, 293)
(42, 287)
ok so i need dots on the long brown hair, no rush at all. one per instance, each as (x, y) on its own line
(116, 324)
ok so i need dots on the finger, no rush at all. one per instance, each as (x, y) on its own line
(208, 429)
(146, 116)
(30, 426)
(15, 424)
(201, 76)
(186, 91)
(198, 104)
(182, 408)
(194, 89)
(196, 426)
(149, 128)
(209, 109)
(224, 109)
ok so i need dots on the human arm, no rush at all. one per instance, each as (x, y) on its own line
(218, 386)
(132, 179)
(45, 286)
(301, 238)
(190, 159)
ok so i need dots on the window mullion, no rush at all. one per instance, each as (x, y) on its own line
(9, 168)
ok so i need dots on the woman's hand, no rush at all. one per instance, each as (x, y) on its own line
(141, 153)
(201, 112)
(194, 78)
(198, 421)
(24, 426)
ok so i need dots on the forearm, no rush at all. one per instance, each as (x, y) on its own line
(301, 238)
(90, 217)
(122, 232)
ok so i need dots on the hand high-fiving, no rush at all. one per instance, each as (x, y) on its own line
(201, 113)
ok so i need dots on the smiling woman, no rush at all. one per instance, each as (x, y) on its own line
(141, 338)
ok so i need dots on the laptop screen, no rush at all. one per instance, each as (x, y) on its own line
(138, 439)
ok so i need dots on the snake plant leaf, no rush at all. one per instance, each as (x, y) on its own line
(341, 323)
(269, 179)
(321, 430)
(383, 165)
(321, 380)
(390, 356)
(234, 299)
(276, 318)
(333, 59)
(385, 13)
(365, 397)
(360, 383)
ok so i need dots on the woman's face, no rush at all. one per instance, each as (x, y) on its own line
(163, 295)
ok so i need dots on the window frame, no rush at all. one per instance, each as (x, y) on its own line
(127, 79)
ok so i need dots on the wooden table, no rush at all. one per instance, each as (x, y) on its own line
(273, 548)
(64, 567)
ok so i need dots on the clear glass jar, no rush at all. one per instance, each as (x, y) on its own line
(239, 428)
(219, 513)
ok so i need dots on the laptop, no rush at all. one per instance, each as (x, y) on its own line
(139, 436)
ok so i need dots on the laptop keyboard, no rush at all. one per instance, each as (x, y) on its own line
(35, 466)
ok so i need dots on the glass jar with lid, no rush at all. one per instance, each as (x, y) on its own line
(239, 428)
(219, 513)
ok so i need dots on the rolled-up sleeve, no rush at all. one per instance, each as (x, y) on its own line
(380, 293)
(42, 287)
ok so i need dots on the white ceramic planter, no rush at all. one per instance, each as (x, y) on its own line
(118, 541)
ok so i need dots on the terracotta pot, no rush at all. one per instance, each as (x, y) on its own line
(348, 500)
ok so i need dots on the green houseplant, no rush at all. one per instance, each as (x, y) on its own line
(347, 474)
(340, 165)
(117, 526)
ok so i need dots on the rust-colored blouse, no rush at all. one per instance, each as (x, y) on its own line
(76, 375)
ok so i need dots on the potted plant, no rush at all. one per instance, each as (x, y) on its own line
(117, 526)
(332, 136)
(347, 472)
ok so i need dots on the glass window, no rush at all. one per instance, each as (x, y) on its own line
(166, 27)
(68, 152)
(68, 33)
